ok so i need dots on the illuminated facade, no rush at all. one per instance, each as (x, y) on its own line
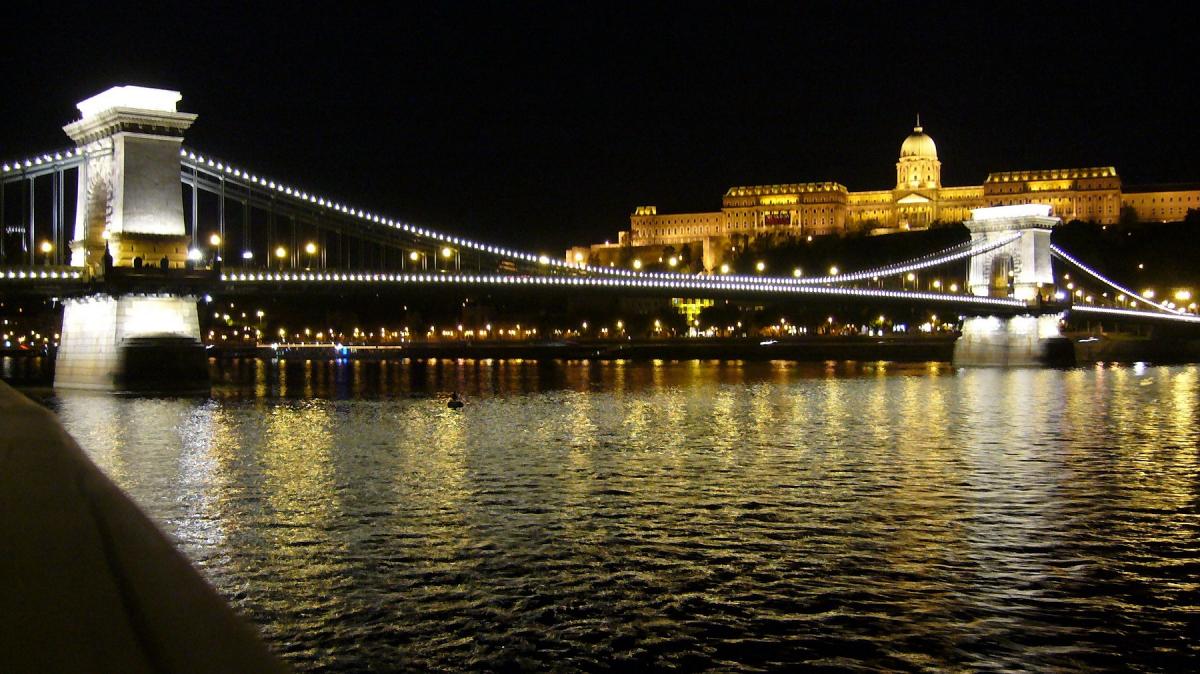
(918, 201)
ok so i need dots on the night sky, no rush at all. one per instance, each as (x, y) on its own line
(543, 124)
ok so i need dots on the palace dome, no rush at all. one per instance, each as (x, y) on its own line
(918, 144)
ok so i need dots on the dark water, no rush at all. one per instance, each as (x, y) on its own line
(683, 516)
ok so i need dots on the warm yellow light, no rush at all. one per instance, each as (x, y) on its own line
(911, 276)
(1183, 295)
(833, 271)
(47, 246)
(620, 325)
(637, 264)
(414, 256)
(953, 287)
(1148, 293)
(579, 257)
(280, 252)
(760, 265)
(797, 272)
(937, 283)
(446, 252)
(724, 269)
(215, 239)
(310, 248)
(106, 235)
(672, 260)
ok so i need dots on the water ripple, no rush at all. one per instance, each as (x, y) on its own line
(686, 516)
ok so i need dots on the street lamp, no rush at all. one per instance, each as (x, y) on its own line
(247, 256)
(637, 264)
(310, 249)
(760, 266)
(280, 253)
(46, 248)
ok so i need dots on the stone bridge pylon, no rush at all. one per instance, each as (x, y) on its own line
(129, 216)
(1019, 269)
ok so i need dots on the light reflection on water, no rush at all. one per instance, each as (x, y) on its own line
(723, 515)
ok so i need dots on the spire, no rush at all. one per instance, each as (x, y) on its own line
(917, 128)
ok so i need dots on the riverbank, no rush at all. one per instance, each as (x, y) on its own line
(899, 349)
(91, 571)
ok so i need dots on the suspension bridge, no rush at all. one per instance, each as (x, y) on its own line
(130, 227)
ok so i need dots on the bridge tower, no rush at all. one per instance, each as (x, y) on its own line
(1019, 269)
(129, 219)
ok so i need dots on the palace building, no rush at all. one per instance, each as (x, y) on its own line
(918, 201)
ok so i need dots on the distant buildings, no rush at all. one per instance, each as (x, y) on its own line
(918, 201)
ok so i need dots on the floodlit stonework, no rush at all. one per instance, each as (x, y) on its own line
(917, 201)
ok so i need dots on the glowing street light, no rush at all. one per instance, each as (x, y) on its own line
(637, 264)
(215, 240)
(724, 268)
(797, 272)
(46, 247)
(673, 261)
(447, 252)
(760, 265)
(833, 271)
(1183, 295)
(310, 249)
(280, 253)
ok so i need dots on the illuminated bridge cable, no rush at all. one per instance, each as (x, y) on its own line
(1062, 254)
(1134, 313)
(60, 159)
(190, 159)
(947, 255)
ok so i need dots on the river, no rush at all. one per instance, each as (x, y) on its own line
(681, 515)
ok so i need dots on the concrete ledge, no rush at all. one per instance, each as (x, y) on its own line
(90, 584)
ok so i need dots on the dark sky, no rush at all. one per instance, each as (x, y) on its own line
(544, 124)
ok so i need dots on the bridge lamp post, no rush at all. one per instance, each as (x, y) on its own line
(310, 249)
(760, 266)
(280, 253)
(247, 257)
(797, 272)
(724, 268)
(215, 240)
(833, 271)
(937, 284)
(672, 261)
(637, 264)
(911, 278)
(46, 249)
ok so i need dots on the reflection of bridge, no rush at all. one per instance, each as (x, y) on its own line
(134, 255)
